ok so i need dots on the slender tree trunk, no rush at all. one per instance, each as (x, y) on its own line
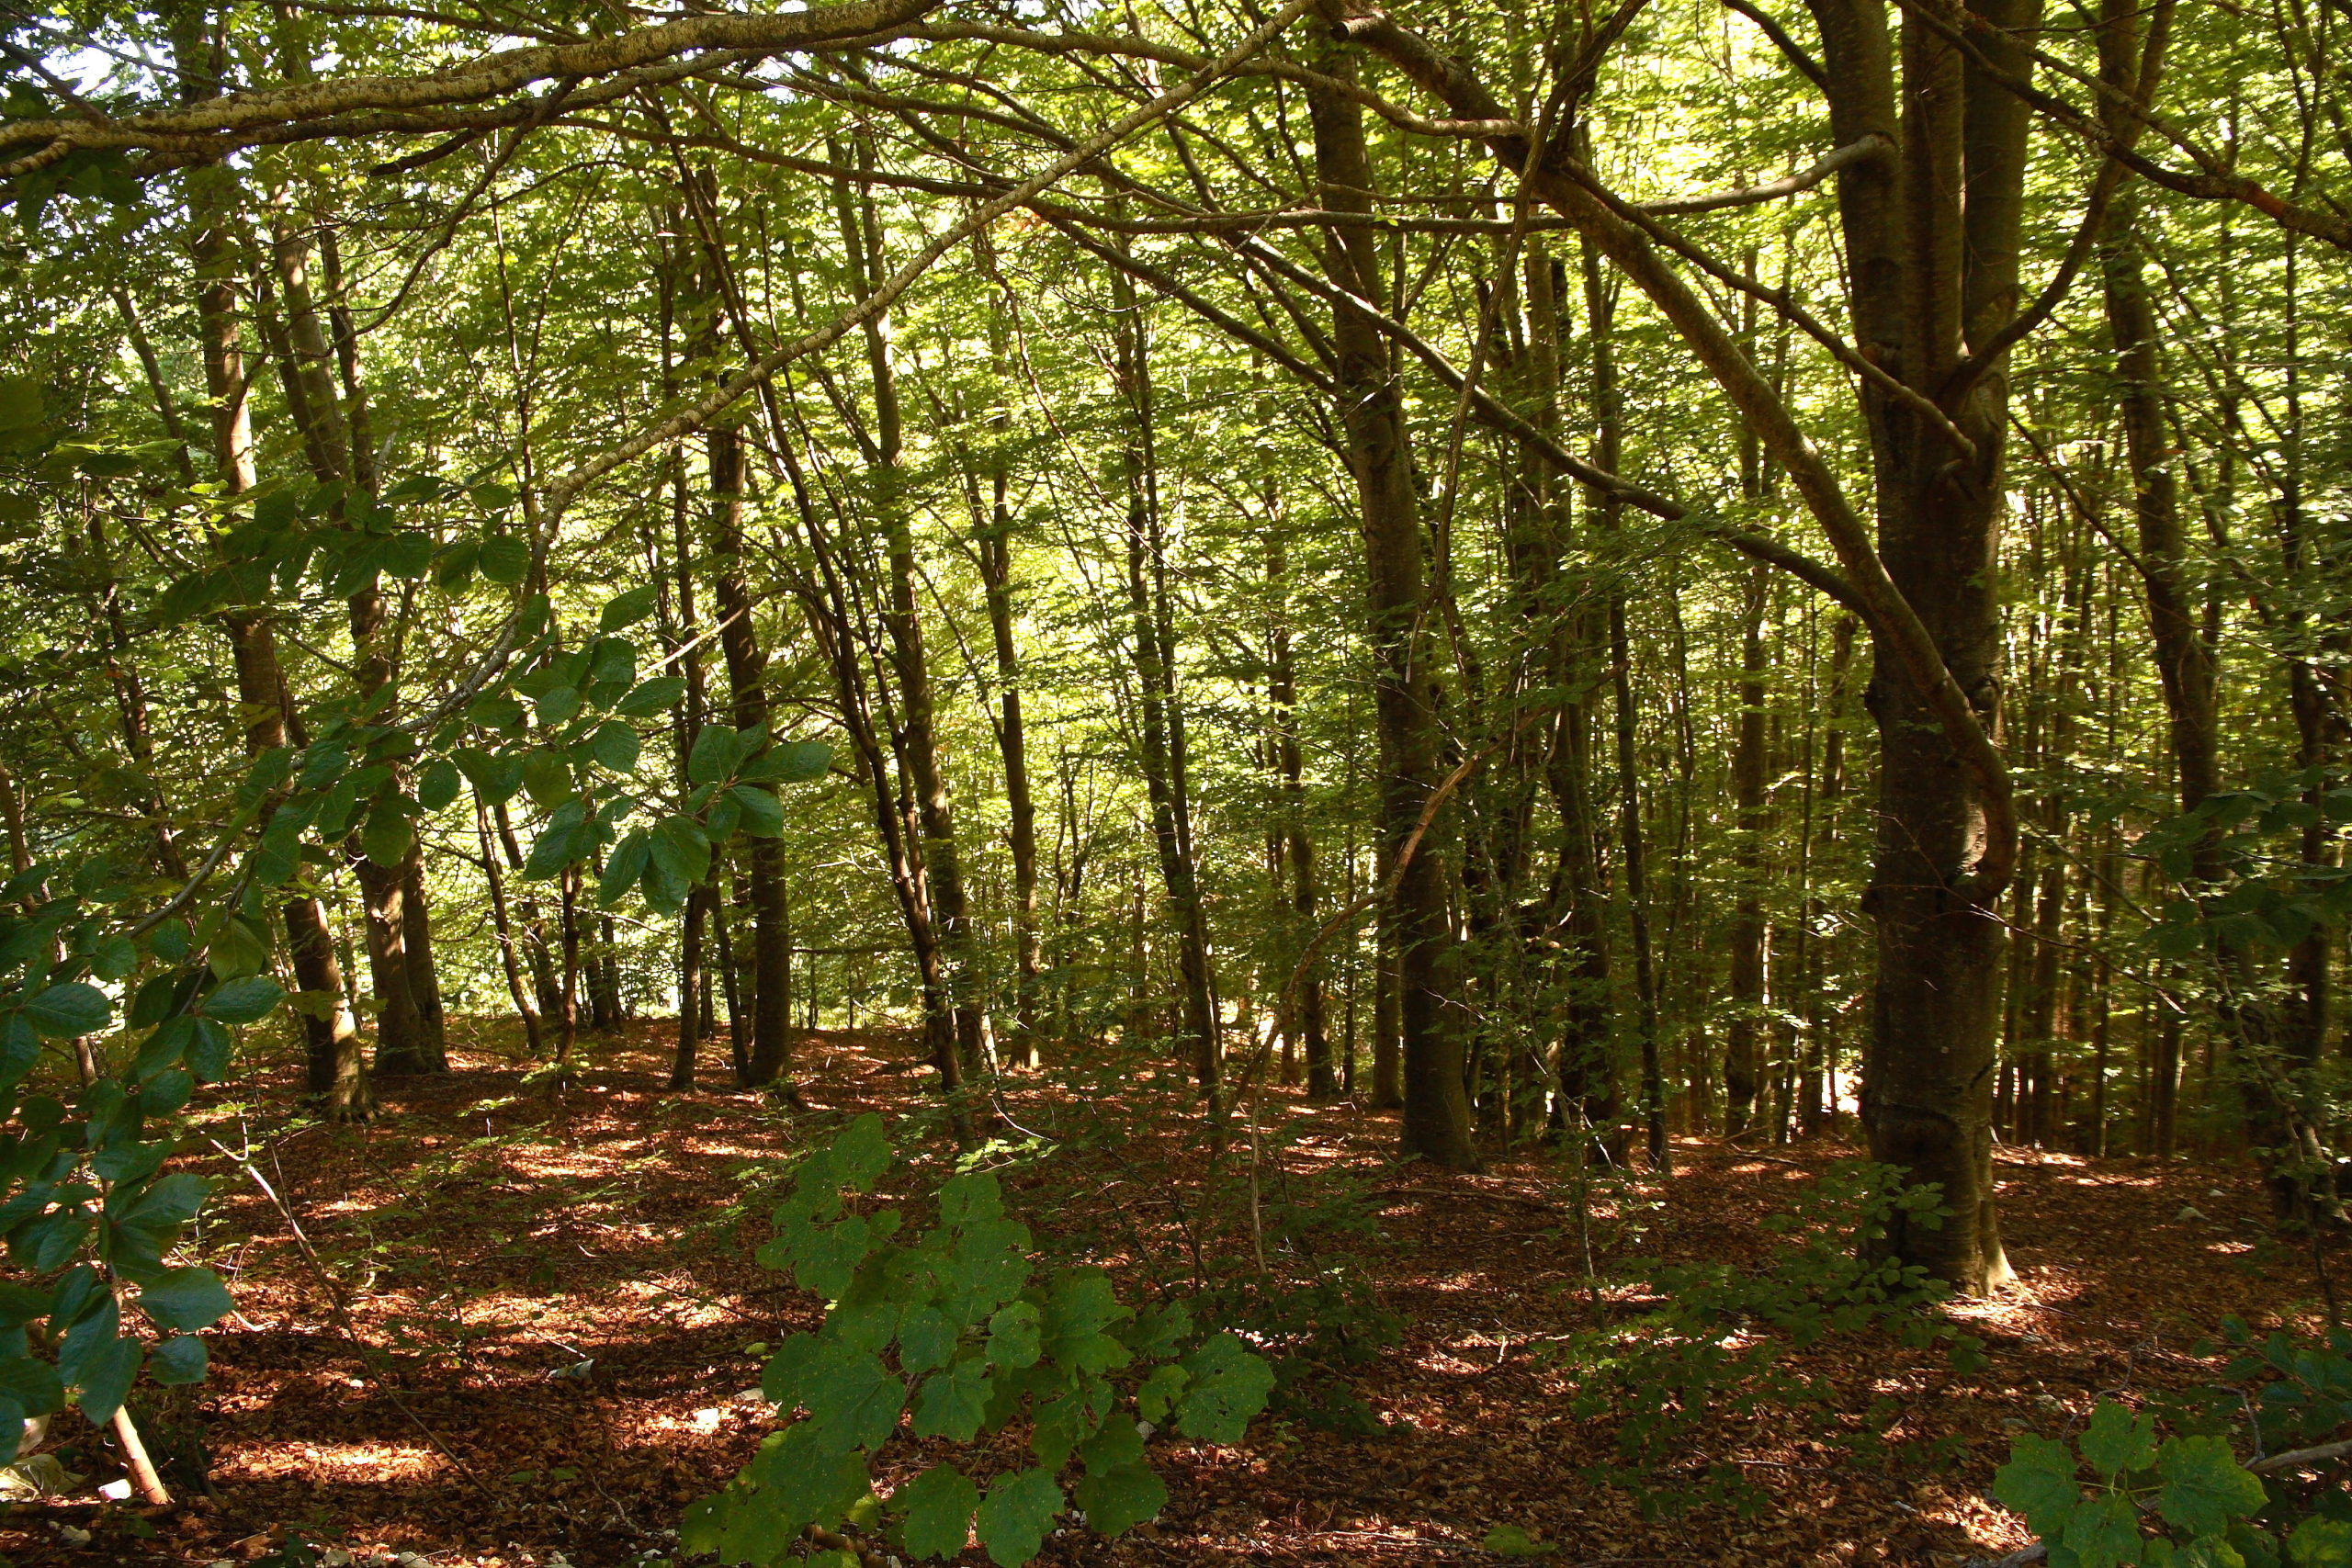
(1743, 1034)
(335, 1069)
(509, 960)
(1152, 646)
(1296, 843)
(770, 1051)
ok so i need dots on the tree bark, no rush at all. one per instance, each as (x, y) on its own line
(1436, 1122)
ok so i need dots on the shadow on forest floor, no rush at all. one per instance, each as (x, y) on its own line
(559, 1302)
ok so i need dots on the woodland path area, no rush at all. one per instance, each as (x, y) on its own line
(561, 1295)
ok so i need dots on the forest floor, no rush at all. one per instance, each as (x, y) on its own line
(517, 1331)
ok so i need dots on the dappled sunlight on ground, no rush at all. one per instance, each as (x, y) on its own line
(559, 1291)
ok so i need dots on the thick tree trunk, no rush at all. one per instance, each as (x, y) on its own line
(1437, 1112)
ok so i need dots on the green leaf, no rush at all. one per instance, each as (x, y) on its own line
(246, 999)
(178, 1360)
(2319, 1542)
(1015, 1516)
(2039, 1482)
(795, 762)
(623, 866)
(103, 1371)
(2104, 1532)
(548, 776)
(506, 558)
(1119, 1498)
(938, 1505)
(2204, 1488)
(953, 1402)
(804, 1479)
(71, 1008)
(437, 787)
(629, 608)
(2116, 1441)
(714, 754)
(114, 958)
(615, 745)
(763, 813)
(1012, 1336)
(31, 1384)
(186, 1299)
(386, 838)
(560, 706)
(651, 697)
(1230, 1386)
(854, 1400)
(926, 1340)
(1510, 1541)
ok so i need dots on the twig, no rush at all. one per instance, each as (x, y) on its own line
(342, 1318)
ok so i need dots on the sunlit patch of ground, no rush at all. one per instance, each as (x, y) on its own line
(558, 1290)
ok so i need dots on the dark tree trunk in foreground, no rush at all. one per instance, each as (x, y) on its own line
(1436, 1110)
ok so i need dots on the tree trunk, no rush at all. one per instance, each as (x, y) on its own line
(335, 1069)
(1436, 1125)
(1744, 1033)
(770, 1051)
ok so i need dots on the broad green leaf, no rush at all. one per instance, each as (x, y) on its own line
(854, 1400)
(177, 1362)
(186, 1299)
(1117, 1499)
(548, 776)
(2039, 1482)
(651, 697)
(615, 745)
(938, 1505)
(246, 999)
(1012, 1336)
(386, 838)
(795, 761)
(713, 756)
(1511, 1540)
(437, 787)
(2104, 1532)
(763, 813)
(805, 1479)
(2319, 1542)
(628, 609)
(1015, 1516)
(559, 707)
(2116, 1441)
(506, 558)
(103, 1374)
(623, 866)
(2204, 1488)
(1230, 1386)
(68, 1008)
(926, 1340)
(953, 1403)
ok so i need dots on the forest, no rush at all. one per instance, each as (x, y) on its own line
(1175, 782)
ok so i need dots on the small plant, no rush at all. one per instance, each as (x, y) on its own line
(959, 1322)
(2121, 1496)
(1714, 1347)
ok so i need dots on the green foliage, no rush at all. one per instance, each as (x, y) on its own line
(2122, 1494)
(959, 1322)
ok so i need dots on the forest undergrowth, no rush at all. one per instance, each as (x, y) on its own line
(500, 1327)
